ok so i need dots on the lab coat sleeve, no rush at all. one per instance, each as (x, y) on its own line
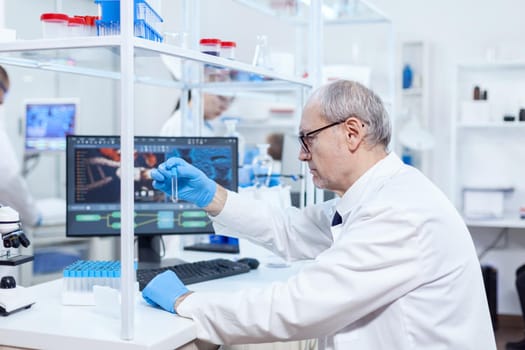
(376, 261)
(14, 191)
(291, 233)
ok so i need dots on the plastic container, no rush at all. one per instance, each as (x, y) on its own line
(76, 26)
(146, 20)
(210, 46)
(54, 25)
(90, 26)
(228, 49)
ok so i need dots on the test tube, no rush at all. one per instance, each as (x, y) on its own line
(175, 189)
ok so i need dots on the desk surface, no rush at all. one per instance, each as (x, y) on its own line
(51, 325)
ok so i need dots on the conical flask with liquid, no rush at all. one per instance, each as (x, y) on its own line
(262, 166)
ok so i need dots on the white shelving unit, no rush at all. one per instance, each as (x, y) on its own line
(413, 135)
(125, 49)
(486, 151)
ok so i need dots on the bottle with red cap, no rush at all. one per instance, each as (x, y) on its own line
(54, 25)
(228, 52)
(228, 49)
(210, 46)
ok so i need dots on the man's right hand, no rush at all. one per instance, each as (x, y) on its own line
(193, 185)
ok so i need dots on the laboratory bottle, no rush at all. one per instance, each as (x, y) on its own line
(211, 46)
(407, 76)
(228, 49)
(262, 166)
(231, 131)
(228, 52)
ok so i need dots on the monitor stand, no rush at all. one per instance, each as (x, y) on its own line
(150, 248)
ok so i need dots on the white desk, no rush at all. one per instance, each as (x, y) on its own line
(51, 325)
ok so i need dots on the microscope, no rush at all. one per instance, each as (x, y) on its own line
(12, 297)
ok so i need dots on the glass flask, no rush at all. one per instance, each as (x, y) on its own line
(261, 58)
(262, 166)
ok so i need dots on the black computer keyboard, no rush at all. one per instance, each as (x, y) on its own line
(195, 272)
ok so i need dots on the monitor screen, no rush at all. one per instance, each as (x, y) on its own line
(47, 122)
(93, 183)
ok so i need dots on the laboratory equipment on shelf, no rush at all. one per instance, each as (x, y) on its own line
(12, 297)
(262, 166)
(261, 57)
(231, 131)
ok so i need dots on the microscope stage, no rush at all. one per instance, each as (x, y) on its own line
(15, 299)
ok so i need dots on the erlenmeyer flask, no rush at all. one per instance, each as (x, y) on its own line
(262, 166)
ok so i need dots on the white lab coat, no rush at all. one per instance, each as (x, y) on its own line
(173, 126)
(13, 187)
(400, 272)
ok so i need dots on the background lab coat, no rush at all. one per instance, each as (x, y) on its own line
(173, 126)
(401, 272)
(13, 187)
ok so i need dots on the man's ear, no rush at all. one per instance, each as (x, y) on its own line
(355, 133)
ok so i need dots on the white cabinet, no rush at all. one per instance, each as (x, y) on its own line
(487, 153)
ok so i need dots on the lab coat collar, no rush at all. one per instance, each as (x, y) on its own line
(385, 168)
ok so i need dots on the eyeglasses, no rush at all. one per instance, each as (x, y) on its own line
(306, 139)
(226, 99)
(3, 87)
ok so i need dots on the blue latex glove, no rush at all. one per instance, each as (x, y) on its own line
(164, 290)
(193, 185)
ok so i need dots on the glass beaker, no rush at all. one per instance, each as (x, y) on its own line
(262, 166)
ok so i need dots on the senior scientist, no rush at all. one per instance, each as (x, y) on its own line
(395, 266)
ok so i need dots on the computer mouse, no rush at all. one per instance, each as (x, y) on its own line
(251, 262)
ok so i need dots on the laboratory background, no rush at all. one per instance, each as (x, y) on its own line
(451, 74)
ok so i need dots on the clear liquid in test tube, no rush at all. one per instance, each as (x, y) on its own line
(174, 189)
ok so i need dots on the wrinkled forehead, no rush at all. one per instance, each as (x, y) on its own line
(311, 116)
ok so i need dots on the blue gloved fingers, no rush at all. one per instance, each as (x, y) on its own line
(193, 185)
(160, 181)
(157, 175)
(182, 168)
(164, 290)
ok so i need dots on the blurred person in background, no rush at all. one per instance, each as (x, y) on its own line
(14, 191)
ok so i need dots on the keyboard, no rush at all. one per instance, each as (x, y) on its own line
(199, 271)
(214, 247)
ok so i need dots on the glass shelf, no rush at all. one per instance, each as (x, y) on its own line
(496, 65)
(509, 221)
(99, 57)
(334, 11)
(492, 125)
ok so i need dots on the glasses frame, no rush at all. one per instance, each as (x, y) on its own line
(303, 137)
(3, 87)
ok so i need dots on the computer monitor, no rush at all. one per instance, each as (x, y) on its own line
(47, 122)
(93, 186)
